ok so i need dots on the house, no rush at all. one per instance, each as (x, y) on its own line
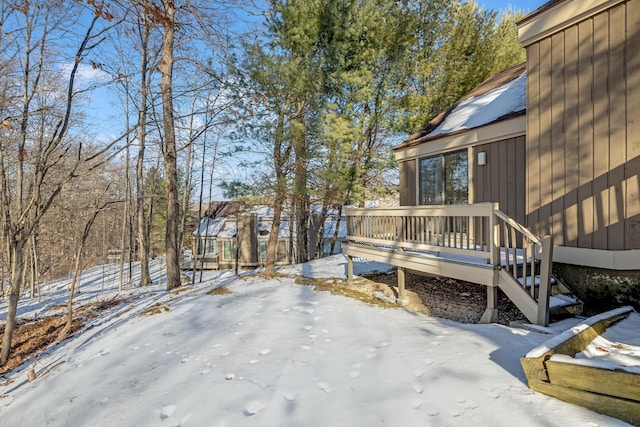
(554, 141)
(230, 234)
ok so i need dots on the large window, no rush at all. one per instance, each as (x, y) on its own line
(208, 246)
(262, 249)
(230, 249)
(444, 179)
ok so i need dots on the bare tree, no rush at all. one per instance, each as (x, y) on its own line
(24, 201)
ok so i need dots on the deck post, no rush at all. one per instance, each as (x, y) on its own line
(402, 299)
(490, 314)
(349, 269)
(546, 264)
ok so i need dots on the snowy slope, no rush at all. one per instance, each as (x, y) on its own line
(273, 353)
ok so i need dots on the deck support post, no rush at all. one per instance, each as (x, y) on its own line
(490, 314)
(349, 269)
(402, 299)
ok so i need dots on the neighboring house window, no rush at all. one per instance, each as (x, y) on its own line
(229, 250)
(444, 179)
(208, 246)
(262, 250)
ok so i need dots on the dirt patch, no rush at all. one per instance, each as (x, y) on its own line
(31, 337)
(222, 290)
(156, 308)
(362, 289)
(431, 295)
(449, 298)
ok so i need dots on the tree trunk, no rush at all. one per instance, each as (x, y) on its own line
(17, 254)
(301, 196)
(143, 236)
(170, 154)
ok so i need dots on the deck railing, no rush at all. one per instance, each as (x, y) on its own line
(468, 234)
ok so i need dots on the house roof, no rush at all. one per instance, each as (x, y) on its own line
(539, 10)
(500, 97)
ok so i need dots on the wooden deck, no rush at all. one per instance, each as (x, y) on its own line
(476, 243)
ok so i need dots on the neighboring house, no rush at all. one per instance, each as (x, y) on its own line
(226, 228)
(555, 141)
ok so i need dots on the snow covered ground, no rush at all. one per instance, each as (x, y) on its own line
(273, 353)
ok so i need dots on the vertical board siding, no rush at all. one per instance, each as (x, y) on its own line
(557, 137)
(533, 134)
(570, 141)
(632, 166)
(600, 130)
(583, 132)
(408, 179)
(502, 179)
(617, 118)
(544, 142)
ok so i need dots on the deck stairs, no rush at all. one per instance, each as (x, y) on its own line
(476, 243)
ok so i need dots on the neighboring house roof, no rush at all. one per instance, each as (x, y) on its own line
(210, 227)
(500, 97)
(264, 229)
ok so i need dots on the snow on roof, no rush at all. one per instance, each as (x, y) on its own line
(487, 108)
(209, 227)
(264, 228)
(500, 97)
(229, 230)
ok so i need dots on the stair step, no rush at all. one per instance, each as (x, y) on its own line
(536, 281)
(562, 301)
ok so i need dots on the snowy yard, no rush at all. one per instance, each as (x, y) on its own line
(269, 352)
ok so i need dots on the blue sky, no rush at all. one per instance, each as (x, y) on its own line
(523, 5)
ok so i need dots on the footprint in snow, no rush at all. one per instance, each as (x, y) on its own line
(289, 396)
(354, 374)
(253, 408)
(167, 411)
(418, 388)
(324, 387)
(265, 352)
(253, 361)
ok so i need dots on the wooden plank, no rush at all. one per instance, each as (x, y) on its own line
(597, 380)
(534, 367)
(503, 174)
(520, 173)
(625, 410)
(585, 133)
(533, 136)
(632, 171)
(408, 191)
(557, 137)
(494, 153)
(600, 130)
(571, 140)
(478, 209)
(518, 295)
(617, 121)
(545, 147)
(481, 274)
(512, 171)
